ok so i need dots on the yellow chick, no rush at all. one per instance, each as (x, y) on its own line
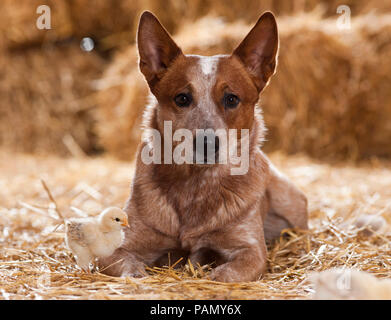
(95, 237)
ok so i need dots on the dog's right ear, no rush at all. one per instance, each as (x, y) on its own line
(156, 48)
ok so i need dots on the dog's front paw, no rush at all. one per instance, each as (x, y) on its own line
(224, 274)
(133, 274)
(134, 270)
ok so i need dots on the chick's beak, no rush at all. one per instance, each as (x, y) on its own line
(125, 223)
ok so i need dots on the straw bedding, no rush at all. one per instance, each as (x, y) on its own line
(34, 263)
(330, 97)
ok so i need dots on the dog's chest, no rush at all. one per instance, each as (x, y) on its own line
(198, 204)
(196, 200)
(208, 202)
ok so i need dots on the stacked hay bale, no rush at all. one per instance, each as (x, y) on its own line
(113, 23)
(330, 97)
(45, 98)
(45, 79)
(98, 19)
(18, 23)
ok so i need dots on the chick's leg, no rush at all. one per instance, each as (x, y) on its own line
(83, 257)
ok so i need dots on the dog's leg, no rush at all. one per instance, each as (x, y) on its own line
(245, 264)
(242, 250)
(205, 256)
(142, 247)
(287, 205)
(122, 263)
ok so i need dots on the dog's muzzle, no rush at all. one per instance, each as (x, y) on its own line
(206, 148)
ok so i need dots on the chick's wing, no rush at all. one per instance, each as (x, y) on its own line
(76, 233)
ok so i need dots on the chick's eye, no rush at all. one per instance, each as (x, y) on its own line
(230, 101)
(183, 99)
(117, 219)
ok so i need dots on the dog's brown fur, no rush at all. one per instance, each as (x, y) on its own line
(203, 212)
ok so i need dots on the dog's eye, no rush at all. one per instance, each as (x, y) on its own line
(183, 100)
(230, 101)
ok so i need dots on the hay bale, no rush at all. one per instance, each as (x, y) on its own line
(330, 97)
(110, 23)
(113, 23)
(46, 97)
(121, 97)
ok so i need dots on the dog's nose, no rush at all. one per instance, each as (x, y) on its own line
(206, 147)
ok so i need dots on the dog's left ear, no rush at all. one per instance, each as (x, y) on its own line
(258, 51)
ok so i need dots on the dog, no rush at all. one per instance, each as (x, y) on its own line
(202, 211)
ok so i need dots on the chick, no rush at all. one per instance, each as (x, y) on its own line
(349, 284)
(95, 237)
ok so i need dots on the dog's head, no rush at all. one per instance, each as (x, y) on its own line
(199, 92)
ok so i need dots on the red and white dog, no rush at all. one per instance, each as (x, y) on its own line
(202, 211)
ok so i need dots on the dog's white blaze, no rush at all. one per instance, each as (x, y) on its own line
(203, 79)
(208, 65)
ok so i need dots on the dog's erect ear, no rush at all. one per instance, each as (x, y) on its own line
(258, 51)
(156, 48)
